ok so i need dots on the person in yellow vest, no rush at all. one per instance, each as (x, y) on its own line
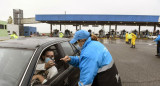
(133, 40)
(14, 35)
(126, 37)
(129, 38)
(61, 35)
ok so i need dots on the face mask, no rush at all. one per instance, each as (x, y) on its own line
(47, 59)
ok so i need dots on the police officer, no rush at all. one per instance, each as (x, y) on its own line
(96, 64)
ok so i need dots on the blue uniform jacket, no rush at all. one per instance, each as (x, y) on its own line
(94, 55)
(157, 39)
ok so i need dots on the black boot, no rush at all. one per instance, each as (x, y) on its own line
(131, 46)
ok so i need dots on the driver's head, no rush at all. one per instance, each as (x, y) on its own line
(47, 54)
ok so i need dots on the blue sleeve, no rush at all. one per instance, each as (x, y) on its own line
(157, 39)
(88, 70)
(74, 61)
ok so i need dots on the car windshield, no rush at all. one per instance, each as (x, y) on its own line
(13, 63)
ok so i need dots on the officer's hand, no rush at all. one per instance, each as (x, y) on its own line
(66, 59)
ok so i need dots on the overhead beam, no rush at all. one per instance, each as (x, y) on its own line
(29, 21)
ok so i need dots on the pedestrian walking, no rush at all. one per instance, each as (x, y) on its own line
(97, 67)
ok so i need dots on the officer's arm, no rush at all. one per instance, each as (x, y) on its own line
(74, 61)
(157, 39)
(89, 69)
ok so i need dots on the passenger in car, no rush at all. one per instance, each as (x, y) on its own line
(46, 64)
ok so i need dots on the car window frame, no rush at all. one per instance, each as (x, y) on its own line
(40, 53)
(43, 48)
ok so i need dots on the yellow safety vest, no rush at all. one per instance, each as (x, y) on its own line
(61, 35)
(14, 36)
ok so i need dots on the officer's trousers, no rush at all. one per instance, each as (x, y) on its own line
(109, 77)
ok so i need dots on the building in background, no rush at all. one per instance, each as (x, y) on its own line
(11, 28)
(17, 17)
(3, 29)
(28, 31)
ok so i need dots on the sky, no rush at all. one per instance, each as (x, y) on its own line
(119, 7)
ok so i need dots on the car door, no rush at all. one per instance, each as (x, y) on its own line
(67, 74)
(73, 75)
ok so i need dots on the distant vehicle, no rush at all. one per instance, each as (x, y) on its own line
(18, 59)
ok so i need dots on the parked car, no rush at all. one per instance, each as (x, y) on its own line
(18, 60)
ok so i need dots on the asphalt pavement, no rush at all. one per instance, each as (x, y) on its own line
(137, 66)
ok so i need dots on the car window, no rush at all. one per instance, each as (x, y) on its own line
(52, 72)
(13, 63)
(67, 48)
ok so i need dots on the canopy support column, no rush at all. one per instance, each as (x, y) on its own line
(51, 30)
(115, 30)
(60, 27)
(76, 27)
(154, 31)
(109, 30)
(139, 34)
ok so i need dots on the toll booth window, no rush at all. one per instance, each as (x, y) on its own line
(67, 48)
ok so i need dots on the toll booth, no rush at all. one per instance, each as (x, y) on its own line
(101, 33)
(145, 34)
(108, 35)
(90, 31)
(155, 33)
(122, 34)
(55, 33)
(112, 33)
(67, 33)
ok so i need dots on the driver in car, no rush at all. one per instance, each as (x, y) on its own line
(47, 65)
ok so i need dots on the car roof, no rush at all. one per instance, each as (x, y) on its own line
(30, 42)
